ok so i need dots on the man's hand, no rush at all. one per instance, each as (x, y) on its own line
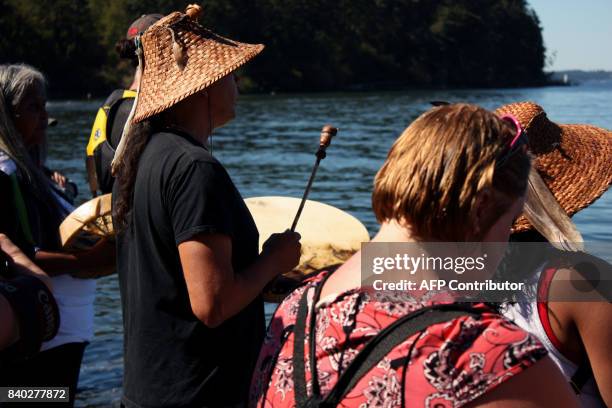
(285, 249)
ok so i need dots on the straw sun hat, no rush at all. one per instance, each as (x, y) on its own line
(182, 58)
(178, 58)
(575, 161)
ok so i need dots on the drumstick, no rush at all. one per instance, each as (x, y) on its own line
(327, 133)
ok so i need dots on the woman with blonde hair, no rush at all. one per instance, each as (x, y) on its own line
(568, 307)
(458, 173)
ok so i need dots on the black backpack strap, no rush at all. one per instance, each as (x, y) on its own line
(389, 338)
(299, 339)
(373, 352)
(581, 376)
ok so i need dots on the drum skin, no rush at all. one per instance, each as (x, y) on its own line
(329, 236)
(87, 224)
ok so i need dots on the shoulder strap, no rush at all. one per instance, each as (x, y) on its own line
(584, 371)
(581, 376)
(546, 279)
(116, 96)
(372, 353)
(99, 130)
(299, 340)
(389, 338)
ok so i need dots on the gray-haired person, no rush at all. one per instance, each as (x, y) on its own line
(31, 211)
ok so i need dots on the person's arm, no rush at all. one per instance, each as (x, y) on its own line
(216, 291)
(591, 318)
(594, 323)
(22, 263)
(541, 385)
(204, 209)
(100, 259)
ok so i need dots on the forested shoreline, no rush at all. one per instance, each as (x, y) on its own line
(311, 45)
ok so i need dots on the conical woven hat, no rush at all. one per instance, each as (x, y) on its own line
(182, 58)
(575, 161)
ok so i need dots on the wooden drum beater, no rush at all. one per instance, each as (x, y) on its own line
(327, 133)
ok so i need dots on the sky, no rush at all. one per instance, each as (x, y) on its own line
(579, 32)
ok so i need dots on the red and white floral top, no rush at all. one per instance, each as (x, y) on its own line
(452, 363)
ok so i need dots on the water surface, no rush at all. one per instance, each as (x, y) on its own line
(268, 150)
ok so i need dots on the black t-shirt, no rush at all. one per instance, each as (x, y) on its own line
(171, 358)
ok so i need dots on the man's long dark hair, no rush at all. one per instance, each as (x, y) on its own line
(126, 49)
(139, 136)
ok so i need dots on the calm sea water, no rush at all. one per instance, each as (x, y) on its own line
(268, 150)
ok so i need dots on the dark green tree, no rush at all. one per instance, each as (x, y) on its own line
(311, 45)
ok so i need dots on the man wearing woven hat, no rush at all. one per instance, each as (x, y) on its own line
(575, 164)
(187, 247)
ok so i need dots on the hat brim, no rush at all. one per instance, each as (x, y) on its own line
(577, 171)
(575, 161)
(209, 57)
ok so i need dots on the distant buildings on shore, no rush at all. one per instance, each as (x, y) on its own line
(573, 77)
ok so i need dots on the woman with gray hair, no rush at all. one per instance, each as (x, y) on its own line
(31, 211)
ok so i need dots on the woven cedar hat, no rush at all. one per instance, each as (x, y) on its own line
(575, 161)
(182, 58)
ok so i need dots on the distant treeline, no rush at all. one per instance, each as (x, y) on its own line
(312, 45)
